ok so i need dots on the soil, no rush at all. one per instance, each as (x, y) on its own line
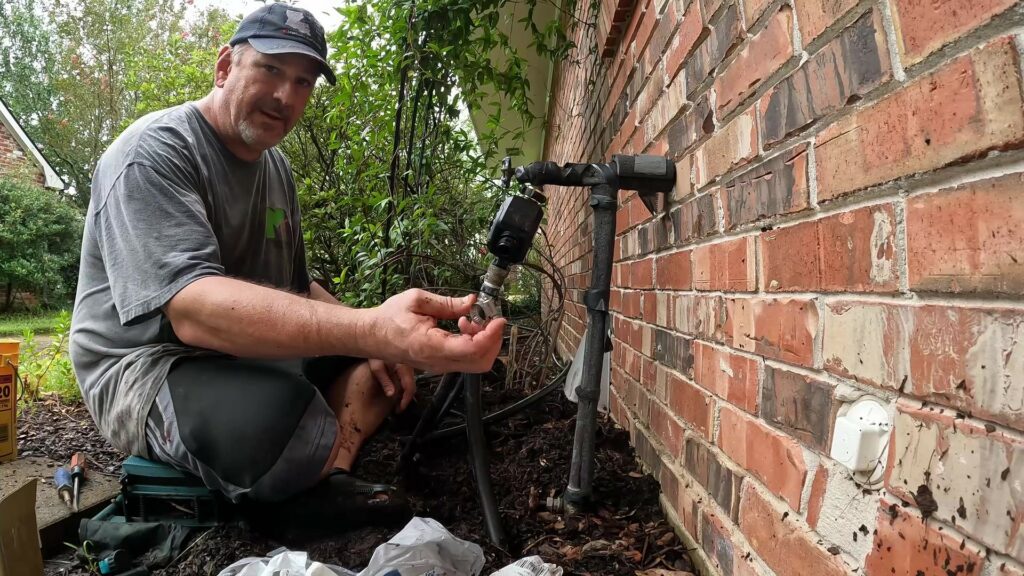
(626, 532)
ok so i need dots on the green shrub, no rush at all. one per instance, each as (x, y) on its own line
(40, 240)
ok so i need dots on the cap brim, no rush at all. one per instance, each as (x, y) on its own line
(280, 46)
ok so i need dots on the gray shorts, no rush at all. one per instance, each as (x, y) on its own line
(248, 428)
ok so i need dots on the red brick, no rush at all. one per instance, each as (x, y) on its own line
(668, 431)
(760, 57)
(798, 405)
(779, 329)
(710, 7)
(638, 213)
(690, 404)
(684, 502)
(729, 376)
(647, 368)
(684, 40)
(752, 10)
(674, 351)
(849, 252)
(672, 100)
(725, 33)
(778, 186)
(968, 239)
(650, 305)
(631, 304)
(691, 127)
(673, 271)
(971, 105)
(774, 458)
(696, 218)
(816, 16)
(731, 146)
(971, 469)
(631, 362)
(647, 450)
(717, 543)
(851, 65)
(971, 359)
(641, 273)
(922, 26)
(625, 132)
(647, 19)
(729, 266)
(684, 178)
(907, 544)
(631, 16)
(702, 316)
(782, 541)
(622, 219)
(818, 486)
(718, 479)
(867, 342)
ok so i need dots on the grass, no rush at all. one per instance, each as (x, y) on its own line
(38, 322)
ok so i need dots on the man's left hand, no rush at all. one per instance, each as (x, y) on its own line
(397, 380)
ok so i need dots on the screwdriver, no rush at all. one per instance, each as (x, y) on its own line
(62, 478)
(77, 476)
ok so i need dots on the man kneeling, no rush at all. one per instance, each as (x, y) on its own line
(197, 336)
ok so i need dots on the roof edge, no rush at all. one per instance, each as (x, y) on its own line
(50, 176)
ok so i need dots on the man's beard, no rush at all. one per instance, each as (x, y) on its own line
(250, 134)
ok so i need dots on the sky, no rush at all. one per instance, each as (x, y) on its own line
(322, 9)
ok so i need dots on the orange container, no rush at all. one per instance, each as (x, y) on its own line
(8, 399)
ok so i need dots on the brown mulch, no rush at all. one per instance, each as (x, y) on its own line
(625, 534)
(56, 431)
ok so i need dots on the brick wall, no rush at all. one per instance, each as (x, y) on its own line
(848, 219)
(14, 161)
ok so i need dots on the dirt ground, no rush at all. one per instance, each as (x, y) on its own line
(625, 534)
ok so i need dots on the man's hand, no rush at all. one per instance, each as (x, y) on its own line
(395, 378)
(409, 324)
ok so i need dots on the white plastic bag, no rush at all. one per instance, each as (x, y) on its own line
(425, 548)
(529, 566)
(283, 562)
(575, 376)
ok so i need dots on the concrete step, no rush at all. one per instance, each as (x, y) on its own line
(57, 523)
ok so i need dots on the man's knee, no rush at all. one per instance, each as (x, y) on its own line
(360, 379)
(258, 426)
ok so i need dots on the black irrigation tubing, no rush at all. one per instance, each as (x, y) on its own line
(480, 458)
(505, 412)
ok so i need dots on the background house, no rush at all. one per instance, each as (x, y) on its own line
(19, 158)
(19, 155)
(848, 221)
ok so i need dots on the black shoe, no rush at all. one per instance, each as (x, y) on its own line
(338, 503)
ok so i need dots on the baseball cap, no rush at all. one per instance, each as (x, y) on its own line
(284, 29)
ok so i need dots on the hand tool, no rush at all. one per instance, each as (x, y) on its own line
(77, 476)
(62, 478)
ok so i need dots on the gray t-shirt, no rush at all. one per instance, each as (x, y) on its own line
(170, 204)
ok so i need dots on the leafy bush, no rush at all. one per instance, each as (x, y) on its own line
(40, 239)
(47, 369)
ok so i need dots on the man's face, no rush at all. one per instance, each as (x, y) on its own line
(266, 94)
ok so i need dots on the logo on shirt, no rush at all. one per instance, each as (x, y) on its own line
(277, 223)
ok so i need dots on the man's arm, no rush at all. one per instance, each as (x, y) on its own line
(317, 292)
(391, 377)
(243, 319)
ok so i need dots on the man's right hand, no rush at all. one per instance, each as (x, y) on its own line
(408, 324)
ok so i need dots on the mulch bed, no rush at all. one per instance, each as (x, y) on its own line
(49, 428)
(625, 534)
